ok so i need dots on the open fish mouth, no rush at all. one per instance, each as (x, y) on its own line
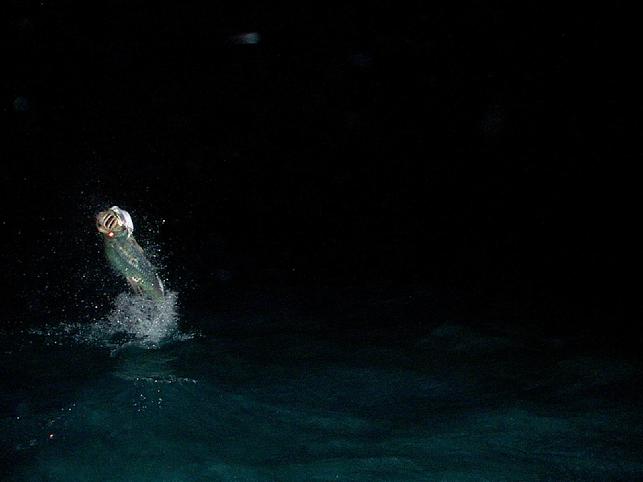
(108, 223)
(109, 220)
(114, 221)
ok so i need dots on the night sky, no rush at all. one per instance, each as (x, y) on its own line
(476, 153)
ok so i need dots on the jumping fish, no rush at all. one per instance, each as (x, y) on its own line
(125, 255)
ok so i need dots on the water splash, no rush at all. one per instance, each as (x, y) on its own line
(134, 321)
(137, 320)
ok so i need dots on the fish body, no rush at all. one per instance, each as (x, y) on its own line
(125, 255)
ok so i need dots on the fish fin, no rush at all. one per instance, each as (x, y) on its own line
(161, 288)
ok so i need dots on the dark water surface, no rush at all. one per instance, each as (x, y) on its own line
(461, 403)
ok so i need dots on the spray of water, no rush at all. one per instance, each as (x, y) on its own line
(134, 321)
(140, 321)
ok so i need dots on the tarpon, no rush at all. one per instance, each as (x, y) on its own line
(125, 255)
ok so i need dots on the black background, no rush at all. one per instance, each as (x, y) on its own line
(481, 152)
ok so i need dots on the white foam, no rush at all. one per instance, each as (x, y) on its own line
(134, 321)
(147, 321)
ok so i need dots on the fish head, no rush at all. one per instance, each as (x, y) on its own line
(114, 222)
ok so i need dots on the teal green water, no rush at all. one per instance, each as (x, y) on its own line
(456, 405)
